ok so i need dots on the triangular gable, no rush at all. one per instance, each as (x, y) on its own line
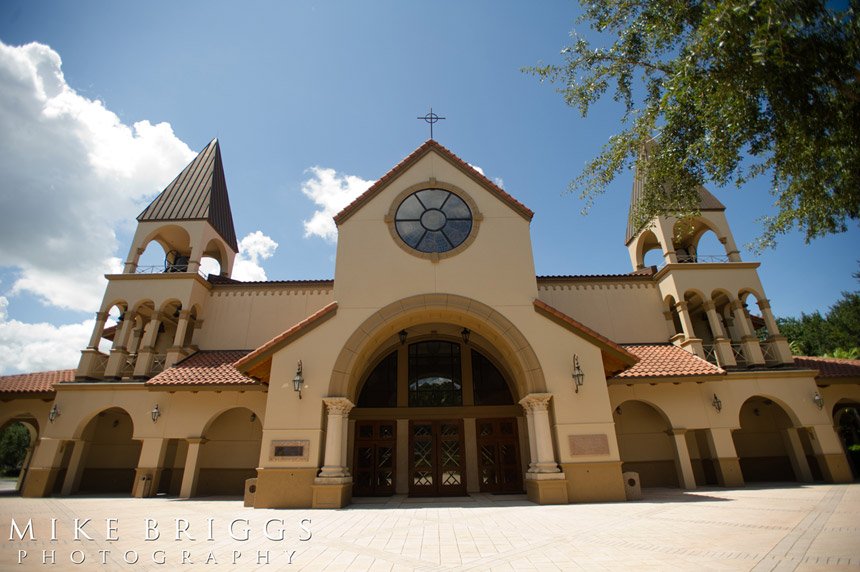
(199, 192)
(615, 357)
(258, 363)
(411, 160)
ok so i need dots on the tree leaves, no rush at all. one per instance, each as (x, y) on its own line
(733, 90)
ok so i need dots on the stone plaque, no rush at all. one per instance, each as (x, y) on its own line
(597, 444)
(289, 450)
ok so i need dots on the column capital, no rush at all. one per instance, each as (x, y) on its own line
(708, 305)
(102, 316)
(536, 401)
(763, 304)
(338, 405)
(197, 440)
(668, 314)
(184, 314)
(681, 306)
(676, 431)
(737, 304)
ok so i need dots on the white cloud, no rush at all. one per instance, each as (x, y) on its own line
(477, 168)
(253, 248)
(72, 172)
(331, 191)
(38, 347)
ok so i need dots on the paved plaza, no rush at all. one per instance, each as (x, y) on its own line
(777, 527)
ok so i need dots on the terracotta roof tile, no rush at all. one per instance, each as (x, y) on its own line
(666, 360)
(286, 335)
(214, 367)
(39, 382)
(413, 158)
(830, 367)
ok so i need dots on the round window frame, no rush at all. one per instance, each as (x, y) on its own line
(477, 217)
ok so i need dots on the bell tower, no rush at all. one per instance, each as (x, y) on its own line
(158, 307)
(706, 295)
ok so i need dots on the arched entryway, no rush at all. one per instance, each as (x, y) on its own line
(846, 421)
(230, 453)
(769, 446)
(645, 444)
(436, 415)
(18, 438)
(108, 455)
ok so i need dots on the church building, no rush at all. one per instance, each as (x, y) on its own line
(436, 363)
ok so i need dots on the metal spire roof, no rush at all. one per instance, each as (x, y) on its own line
(199, 192)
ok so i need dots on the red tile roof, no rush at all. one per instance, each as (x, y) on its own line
(413, 158)
(830, 367)
(213, 367)
(666, 360)
(39, 382)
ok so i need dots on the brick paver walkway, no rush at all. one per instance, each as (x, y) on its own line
(754, 528)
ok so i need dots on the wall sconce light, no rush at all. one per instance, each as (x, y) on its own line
(402, 335)
(155, 413)
(578, 376)
(253, 417)
(54, 413)
(298, 381)
(718, 405)
(818, 400)
(618, 410)
(466, 333)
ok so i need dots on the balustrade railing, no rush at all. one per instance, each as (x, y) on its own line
(769, 352)
(158, 363)
(100, 364)
(740, 356)
(128, 367)
(711, 354)
(169, 269)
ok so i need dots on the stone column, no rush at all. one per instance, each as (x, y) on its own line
(683, 464)
(470, 434)
(98, 330)
(828, 451)
(44, 468)
(143, 365)
(670, 323)
(692, 344)
(119, 353)
(731, 249)
(724, 456)
(337, 409)
(191, 473)
(545, 461)
(149, 467)
(75, 469)
(545, 482)
(666, 241)
(778, 342)
(796, 455)
(530, 425)
(177, 351)
(131, 263)
(722, 345)
(750, 343)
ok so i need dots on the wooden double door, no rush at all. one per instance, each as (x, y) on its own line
(436, 462)
(437, 458)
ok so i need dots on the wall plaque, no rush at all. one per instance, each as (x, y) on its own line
(289, 450)
(597, 444)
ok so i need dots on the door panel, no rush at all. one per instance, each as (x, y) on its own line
(499, 469)
(374, 459)
(436, 462)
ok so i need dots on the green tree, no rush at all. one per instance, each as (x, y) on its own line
(13, 448)
(732, 89)
(835, 335)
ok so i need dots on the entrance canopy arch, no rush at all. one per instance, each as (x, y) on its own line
(378, 331)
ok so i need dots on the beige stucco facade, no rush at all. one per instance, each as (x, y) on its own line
(165, 410)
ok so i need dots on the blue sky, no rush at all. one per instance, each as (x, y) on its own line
(289, 86)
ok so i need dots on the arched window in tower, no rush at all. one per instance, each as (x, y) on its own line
(380, 387)
(434, 374)
(488, 383)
